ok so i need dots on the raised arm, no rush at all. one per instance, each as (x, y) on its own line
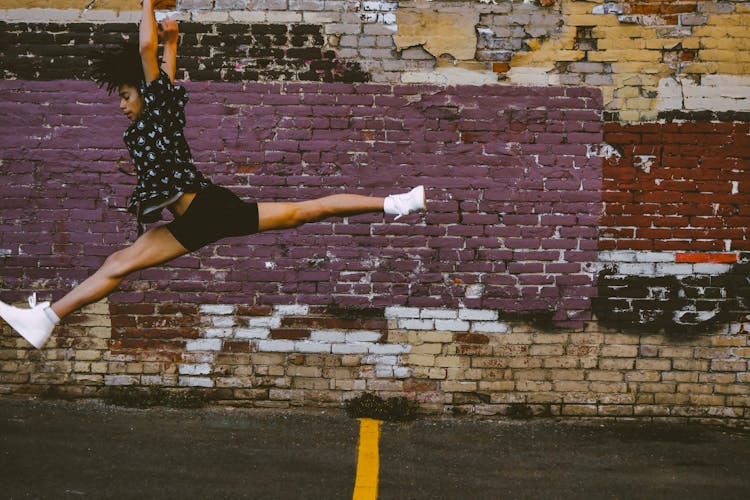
(148, 41)
(168, 33)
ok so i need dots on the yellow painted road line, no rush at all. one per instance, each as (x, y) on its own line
(368, 460)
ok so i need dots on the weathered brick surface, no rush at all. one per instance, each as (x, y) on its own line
(513, 198)
(218, 52)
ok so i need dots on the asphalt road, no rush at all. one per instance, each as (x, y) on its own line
(52, 449)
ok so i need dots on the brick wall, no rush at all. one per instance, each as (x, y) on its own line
(585, 249)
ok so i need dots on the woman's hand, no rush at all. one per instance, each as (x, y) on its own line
(168, 31)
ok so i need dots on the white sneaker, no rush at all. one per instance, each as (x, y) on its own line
(33, 324)
(404, 204)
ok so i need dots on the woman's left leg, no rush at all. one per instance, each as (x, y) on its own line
(286, 215)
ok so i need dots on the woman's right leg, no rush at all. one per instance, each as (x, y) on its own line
(154, 247)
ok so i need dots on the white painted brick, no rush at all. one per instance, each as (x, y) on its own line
(477, 314)
(674, 269)
(252, 333)
(216, 309)
(643, 269)
(276, 346)
(250, 17)
(265, 321)
(196, 382)
(120, 379)
(616, 256)
(453, 325)
(321, 17)
(389, 348)
(362, 336)
(307, 346)
(283, 17)
(292, 310)
(217, 332)
(40, 15)
(402, 371)
(439, 314)
(199, 369)
(203, 345)
(401, 312)
(654, 257)
(376, 359)
(416, 324)
(200, 16)
(327, 336)
(223, 321)
(490, 327)
(711, 268)
(357, 348)
(153, 380)
(383, 371)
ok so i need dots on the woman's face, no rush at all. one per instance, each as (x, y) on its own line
(131, 102)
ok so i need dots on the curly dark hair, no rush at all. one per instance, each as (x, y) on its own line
(119, 65)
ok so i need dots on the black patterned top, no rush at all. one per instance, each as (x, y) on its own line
(160, 153)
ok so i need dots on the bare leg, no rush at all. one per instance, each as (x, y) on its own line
(288, 215)
(153, 247)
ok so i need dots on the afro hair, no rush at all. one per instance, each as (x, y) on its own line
(119, 65)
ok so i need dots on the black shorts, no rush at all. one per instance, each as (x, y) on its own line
(214, 213)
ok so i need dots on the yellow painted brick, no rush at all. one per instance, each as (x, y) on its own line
(550, 338)
(694, 388)
(643, 398)
(427, 348)
(690, 364)
(566, 374)
(671, 399)
(351, 360)
(639, 103)
(81, 367)
(444, 337)
(579, 410)
(533, 386)
(497, 385)
(531, 375)
(267, 358)
(485, 362)
(738, 401)
(588, 19)
(651, 410)
(561, 362)
(608, 387)
(546, 350)
(707, 400)
(419, 359)
(717, 378)
(452, 361)
(570, 386)
(385, 385)
(731, 388)
(303, 371)
(453, 386)
(725, 55)
(310, 383)
(464, 373)
(643, 376)
(514, 338)
(586, 338)
(680, 376)
(569, 55)
(435, 373)
(525, 363)
(88, 355)
(617, 398)
(657, 387)
(721, 341)
(607, 376)
(615, 410)
(653, 364)
(620, 351)
(544, 398)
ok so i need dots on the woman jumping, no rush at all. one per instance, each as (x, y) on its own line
(167, 178)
